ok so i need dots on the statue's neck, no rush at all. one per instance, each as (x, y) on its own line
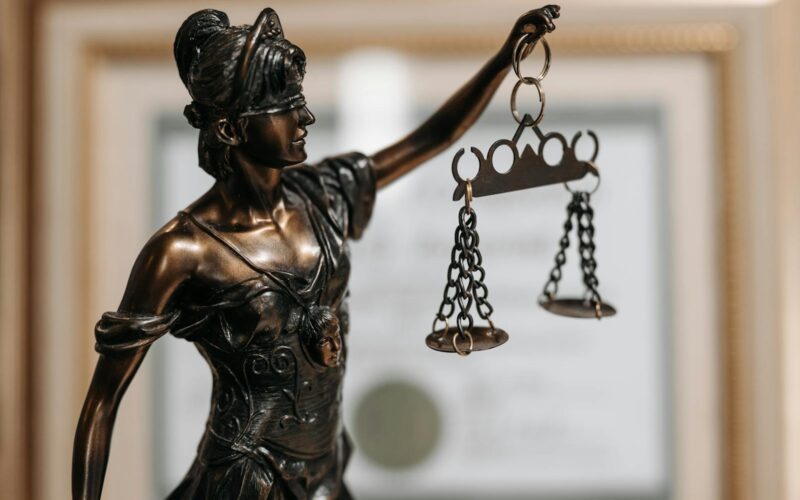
(252, 193)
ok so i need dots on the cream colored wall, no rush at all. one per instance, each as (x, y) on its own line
(13, 218)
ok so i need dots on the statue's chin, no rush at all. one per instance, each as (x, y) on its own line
(331, 361)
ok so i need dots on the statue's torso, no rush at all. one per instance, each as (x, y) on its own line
(274, 429)
(268, 390)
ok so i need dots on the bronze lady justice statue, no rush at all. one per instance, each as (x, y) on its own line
(255, 271)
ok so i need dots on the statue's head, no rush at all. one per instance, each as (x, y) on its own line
(246, 88)
(321, 335)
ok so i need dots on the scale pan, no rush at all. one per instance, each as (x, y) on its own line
(483, 338)
(576, 308)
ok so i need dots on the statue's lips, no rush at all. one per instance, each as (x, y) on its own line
(300, 140)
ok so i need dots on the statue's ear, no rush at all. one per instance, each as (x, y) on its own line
(227, 133)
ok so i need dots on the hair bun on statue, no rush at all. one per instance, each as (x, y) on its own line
(195, 31)
(195, 115)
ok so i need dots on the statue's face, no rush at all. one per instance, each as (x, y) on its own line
(277, 139)
(329, 348)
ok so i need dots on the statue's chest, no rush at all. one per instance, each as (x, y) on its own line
(266, 278)
(293, 247)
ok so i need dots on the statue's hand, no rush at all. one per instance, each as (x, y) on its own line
(538, 22)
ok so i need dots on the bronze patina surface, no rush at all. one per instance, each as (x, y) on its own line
(577, 308)
(481, 338)
(255, 271)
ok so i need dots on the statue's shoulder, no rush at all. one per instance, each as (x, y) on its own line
(169, 258)
(173, 249)
(181, 241)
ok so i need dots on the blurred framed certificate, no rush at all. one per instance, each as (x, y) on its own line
(569, 408)
(627, 408)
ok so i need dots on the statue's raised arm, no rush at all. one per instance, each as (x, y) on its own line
(463, 108)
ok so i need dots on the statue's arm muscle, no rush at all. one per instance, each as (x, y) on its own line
(463, 108)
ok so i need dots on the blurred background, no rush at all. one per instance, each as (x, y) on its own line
(689, 393)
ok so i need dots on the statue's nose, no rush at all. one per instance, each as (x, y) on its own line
(307, 117)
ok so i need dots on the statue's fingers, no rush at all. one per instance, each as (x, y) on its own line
(546, 22)
(553, 10)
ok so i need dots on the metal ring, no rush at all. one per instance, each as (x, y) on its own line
(539, 90)
(468, 194)
(593, 191)
(471, 344)
(517, 56)
(544, 139)
(446, 324)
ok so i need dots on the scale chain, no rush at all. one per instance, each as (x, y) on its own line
(479, 289)
(465, 277)
(586, 248)
(551, 287)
